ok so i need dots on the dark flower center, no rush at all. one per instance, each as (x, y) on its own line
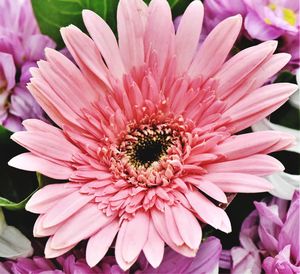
(148, 151)
(147, 145)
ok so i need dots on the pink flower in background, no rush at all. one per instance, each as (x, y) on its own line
(21, 45)
(270, 232)
(146, 135)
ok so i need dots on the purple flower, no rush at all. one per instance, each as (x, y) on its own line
(19, 32)
(263, 20)
(267, 20)
(270, 232)
(217, 10)
(21, 45)
(68, 264)
(206, 261)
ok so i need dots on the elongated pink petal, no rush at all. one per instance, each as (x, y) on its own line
(131, 18)
(40, 231)
(212, 190)
(154, 247)
(258, 104)
(207, 211)
(160, 225)
(105, 41)
(42, 200)
(239, 146)
(159, 33)
(256, 78)
(66, 208)
(74, 230)
(188, 226)
(118, 248)
(89, 61)
(54, 106)
(99, 243)
(237, 68)
(259, 165)
(72, 83)
(40, 126)
(239, 182)
(30, 162)
(215, 48)
(172, 226)
(46, 145)
(135, 236)
(187, 35)
(53, 253)
(269, 68)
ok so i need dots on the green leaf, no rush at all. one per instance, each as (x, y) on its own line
(177, 6)
(4, 135)
(54, 14)
(13, 205)
(285, 76)
(21, 205)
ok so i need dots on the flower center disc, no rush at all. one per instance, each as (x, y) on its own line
(147, 145)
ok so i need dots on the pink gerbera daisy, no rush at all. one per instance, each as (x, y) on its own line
(146, 135)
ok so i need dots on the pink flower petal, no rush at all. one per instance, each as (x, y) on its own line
(237, 68)
(40, 231)
(215, 48)
(208, 188)
(259, 165)
(105, 41)
(47, 145)
(159, 33)
(89, 61)
(135, 236)
(53, 253)
(188, 226)
(154, 247)
(73, 230)
(54, 106)
(207, 211)
(160, 225)
(118, 248)
(100, 242)
(42, 200)
(258, 104)
(239, 146)
(65, 208)
(172, 226)
(131, 18)
(30, 162)
(187, 35)
(239, 182)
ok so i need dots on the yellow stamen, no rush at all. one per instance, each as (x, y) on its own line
(289, 16)
(268, 21)
(272, 6)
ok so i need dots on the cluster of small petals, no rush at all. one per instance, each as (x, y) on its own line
(269, 239)
(147, 137)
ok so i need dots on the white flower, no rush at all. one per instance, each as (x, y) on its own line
(13, 244)
(284, 184)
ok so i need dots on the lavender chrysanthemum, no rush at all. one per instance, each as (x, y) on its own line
(21, 45)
